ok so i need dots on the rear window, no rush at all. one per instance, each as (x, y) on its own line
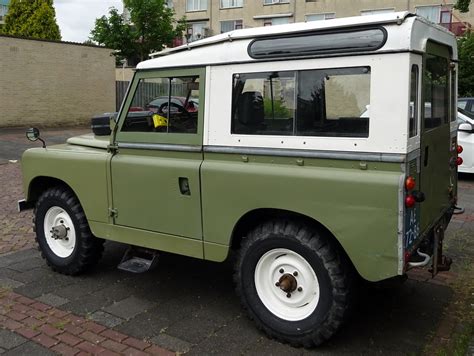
(323, 102)
(436, 91)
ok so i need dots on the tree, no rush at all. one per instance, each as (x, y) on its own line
(152, 26)
(466, 65)
(114, 32)
(33, 19)
(462, 5)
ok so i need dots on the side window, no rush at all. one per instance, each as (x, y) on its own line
(332, 102)
(265, 103)
(436, 92)
(413, 127)
(169, 105)
(462, 104)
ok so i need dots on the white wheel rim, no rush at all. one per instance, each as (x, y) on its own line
(268, 272)
(54, 217)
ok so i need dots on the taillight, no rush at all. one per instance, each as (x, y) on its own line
(459, 161)
(410, 183)
(459, 149)
(407, 255)
(410, 201)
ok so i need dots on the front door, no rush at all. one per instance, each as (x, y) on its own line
(158, 143)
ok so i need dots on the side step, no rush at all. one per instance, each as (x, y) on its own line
(138, 260)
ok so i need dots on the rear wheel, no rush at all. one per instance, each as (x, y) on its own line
(63, 234)
(292, 282)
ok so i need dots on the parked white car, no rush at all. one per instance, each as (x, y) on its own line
(466, 140)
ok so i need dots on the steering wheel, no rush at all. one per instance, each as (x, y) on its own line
(181, 109)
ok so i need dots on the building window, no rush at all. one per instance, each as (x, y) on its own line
(271, 2)
(272, 21)
(196, 31)
(431, 13)
(169, 4)
(232, 25)
(319, 17)
(3, 11)
(225, 4)
(376, 11)
(196, 5)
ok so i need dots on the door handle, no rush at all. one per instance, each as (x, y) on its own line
(184, 186)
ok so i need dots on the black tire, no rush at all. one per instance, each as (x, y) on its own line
(332, 273)
(84, 252)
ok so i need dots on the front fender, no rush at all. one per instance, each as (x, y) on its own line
(83, 169)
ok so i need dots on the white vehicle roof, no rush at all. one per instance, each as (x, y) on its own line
(405, 32)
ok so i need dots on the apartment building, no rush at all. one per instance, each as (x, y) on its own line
(209, 17)
(3, 10)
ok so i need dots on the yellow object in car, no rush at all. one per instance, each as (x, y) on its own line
(159, 121)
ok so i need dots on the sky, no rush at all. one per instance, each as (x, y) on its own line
(76, 18)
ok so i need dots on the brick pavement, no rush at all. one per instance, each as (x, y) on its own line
(66, 333)
(16, 230)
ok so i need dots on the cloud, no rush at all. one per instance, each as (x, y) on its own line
(76, 18)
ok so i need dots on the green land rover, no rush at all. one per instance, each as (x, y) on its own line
(315, 153)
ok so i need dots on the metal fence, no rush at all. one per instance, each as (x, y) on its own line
(120, 92)
(146, 92)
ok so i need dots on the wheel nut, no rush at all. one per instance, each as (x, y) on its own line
(295, 273)
(300, 289)
(277, 284)
(282, 270)
(288, 295)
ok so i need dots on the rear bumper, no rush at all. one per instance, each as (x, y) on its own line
(429, 243)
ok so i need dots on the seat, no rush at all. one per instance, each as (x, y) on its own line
(250, 112)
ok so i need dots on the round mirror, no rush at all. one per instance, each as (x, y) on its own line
(32, 134)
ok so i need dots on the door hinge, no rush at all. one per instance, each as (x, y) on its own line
(113, 213)
(112, 148)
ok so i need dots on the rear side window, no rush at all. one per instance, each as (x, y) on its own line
(323, 102)
(414, 101)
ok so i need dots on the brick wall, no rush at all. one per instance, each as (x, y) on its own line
(52, 83)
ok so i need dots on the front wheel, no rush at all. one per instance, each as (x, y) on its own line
(292, 283)
(63, 234)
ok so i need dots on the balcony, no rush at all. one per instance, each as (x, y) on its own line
(458, 28)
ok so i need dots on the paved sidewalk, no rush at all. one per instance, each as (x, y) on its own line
(13, 141)
(189, 306)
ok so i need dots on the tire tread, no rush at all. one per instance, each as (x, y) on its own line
(333, 262)
(90, 247)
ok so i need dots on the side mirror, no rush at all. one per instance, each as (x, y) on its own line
(33, 135)
(465, 128)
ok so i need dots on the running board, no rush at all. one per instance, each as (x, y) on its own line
(138, 260)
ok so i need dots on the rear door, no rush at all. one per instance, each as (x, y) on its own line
(437, 172)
